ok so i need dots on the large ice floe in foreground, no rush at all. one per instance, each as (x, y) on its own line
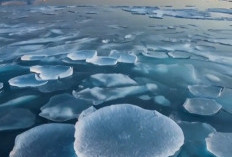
(124, 131)
(48, 140)
(220, 144)
(63, 107)
(50, 72)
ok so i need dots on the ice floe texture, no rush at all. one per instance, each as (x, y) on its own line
(48, 72)
(12, 119)
(102, 61)
(28, 80)
(123, 57)
(205, 91)
(220, 144)
(99, 95)
(202, 106)
(48, 140)
(82, 55)
(110, 80)
(127, 130)
(63, 107)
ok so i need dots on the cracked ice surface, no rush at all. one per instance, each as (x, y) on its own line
(124, 129)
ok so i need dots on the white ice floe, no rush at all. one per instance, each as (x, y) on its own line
(205, 91)
(102, 61)
(123, 57)
(202, 106)
(220, 144)
(161, 100)
(47, 140)
(99, 95)
(110, 80)
(127, 130)
(63, 107)
(16, 118)
(82, 55)
(51, 72)
(28, 80)
(33, 57)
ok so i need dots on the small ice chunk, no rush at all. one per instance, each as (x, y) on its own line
(102, 61)
(123, 57)
(161, 100)
(50, 72)
(225, 99)
(63, 107)
(28, 80)
(110, 80)
(82, 55)
(47, 140)
(205, 91)
(100, 95)
(16, 118)
(127, 130)
(202, 106)
(220, 144)
(145, 97)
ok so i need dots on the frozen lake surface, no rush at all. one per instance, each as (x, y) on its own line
(139, 78)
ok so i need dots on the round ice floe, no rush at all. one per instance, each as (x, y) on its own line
(205, 91)
(202, 106)
(82, 55)
(11, 119)
(63, 107)
(28, 80)
(48, 140)
(161, 100)
(110, 80)
(49, 72)
(220, 144)
(126, 131)
(102, 61)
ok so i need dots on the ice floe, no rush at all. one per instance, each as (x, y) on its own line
(220, 144)
(63, 107)
(28, 80)
(102, 61)
(82, 55)
(205, 91)
(33, 57)
(127, 130)
(202, 106)
(123, 57)
(99, 95)
(50, 72)
(47, 140)
(17, 118)
(109, 80)
(161, 100)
